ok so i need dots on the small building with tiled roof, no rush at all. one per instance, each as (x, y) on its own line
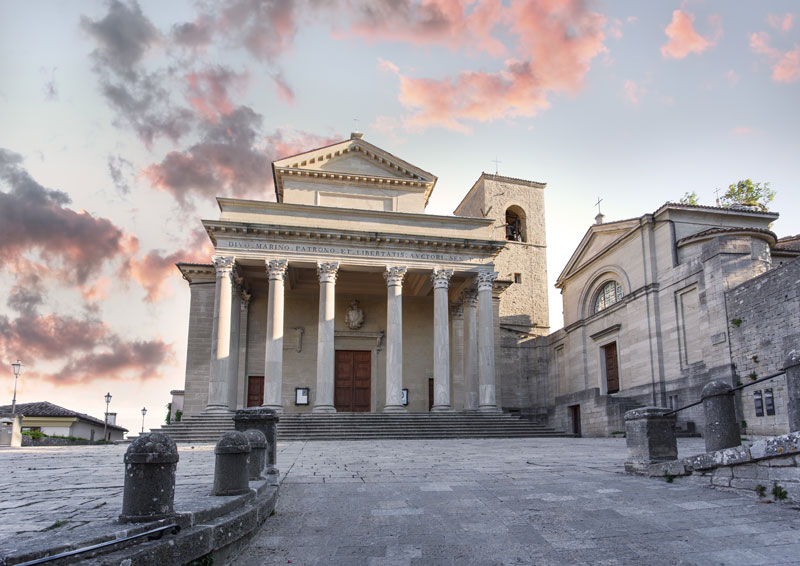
(53, 420)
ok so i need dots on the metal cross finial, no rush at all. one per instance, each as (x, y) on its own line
(355, 124)
(716, 192)
(597, 204)
(496, 162)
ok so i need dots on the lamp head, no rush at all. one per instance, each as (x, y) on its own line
(108, 398)
(18, 368)
(144, 411)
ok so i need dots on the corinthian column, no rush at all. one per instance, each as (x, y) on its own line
(221, 337)
(487, 403)
(470, 299)
(394, 338)
(441, 340)
(325, 352)
(273, 366)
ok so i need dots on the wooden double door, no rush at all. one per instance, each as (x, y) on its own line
(352, 381)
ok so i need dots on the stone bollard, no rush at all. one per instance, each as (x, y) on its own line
(265, 420)
(149, 492)
(650, 436)
(722, 428)
(258, 448)
(792, 368)
(231, 467)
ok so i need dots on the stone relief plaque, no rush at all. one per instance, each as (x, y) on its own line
(354, 316)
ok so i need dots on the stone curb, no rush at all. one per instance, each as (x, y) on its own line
(221, 530)
(760, 450)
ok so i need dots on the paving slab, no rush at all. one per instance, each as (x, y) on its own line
(560, 501)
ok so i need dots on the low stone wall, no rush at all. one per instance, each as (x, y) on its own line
(768, 462)
(50, 441)
(601, 415)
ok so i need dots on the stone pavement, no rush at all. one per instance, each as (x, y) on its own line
(515, 501)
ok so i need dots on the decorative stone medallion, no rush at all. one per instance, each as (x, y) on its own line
(355, 316)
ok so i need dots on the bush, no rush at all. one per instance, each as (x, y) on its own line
(34, 433)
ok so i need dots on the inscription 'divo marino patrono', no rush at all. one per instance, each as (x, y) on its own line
(341, 251)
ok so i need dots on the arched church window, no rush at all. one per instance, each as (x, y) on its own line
(609, 294)
(515, 224)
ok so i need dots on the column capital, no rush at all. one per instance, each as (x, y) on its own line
(470, 297)
(456, 310)
(327, 271)
(276, 268)
(223, 264)
(441, 277)
(486, 279)
(394, 275)
(245, 300)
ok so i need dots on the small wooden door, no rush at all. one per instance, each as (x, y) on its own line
(352, 381)
(430, 393)
(575, 416)
(255, 390)
(612, 368)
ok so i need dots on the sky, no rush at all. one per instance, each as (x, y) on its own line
(120, 122)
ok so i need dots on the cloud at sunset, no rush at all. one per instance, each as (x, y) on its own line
(684, 40)
(781, 23)
(785, 65)
(633, 92)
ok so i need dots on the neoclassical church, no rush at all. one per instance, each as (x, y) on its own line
(343, 295)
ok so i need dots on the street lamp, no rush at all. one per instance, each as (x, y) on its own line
(105, 421)
(18, 368)
(144, 412)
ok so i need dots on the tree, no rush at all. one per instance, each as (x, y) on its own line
(689, 198)
(749, 193)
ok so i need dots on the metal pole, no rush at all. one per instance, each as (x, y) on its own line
(14, 401)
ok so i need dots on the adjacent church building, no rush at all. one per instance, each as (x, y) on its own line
(343, 295)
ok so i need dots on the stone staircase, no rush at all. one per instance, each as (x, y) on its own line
(370, 426)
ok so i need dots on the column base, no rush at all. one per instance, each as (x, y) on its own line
(217, 410)
(489, 409)
(277, 408)
(323, 409)
(394, 409)
(442, 409)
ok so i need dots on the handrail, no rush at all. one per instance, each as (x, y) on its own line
(737, 388)
(154, 534)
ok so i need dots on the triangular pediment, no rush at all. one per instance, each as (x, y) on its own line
(598, 239)
(354, 160)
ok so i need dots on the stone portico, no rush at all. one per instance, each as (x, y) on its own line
(344, 294)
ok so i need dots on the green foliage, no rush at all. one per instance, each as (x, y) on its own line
(689, 198)
(761, 490)
(736, 322)
(668, 477)
(778, 493)
(207, 560)
(34, 433)
(55, 525)
(753, 375)
(178, 415)
(744, 427)
(755, 359)
(748, 193)
(169, 413)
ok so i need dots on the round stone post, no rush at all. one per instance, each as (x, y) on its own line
(258, 451)
(470, 350)
(487, 397)
(394, 338)
(792, 368)
(273, 365)
(231, 470)
(441, 340)
(221, 337)
(266, 421)
(722, 429)
(149, 492)
(650, 436)
(326, 355)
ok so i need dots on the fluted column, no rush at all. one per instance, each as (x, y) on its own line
(457, 355)
(273, 366)
(470, 301)
(394, 338)
(220, 336)
(441, 340)
(326, 355)
(233, 362)
(241, 378)
(487, 400)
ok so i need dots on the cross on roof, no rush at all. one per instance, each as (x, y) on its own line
(716, 192)
(597, 204)
(496, 162)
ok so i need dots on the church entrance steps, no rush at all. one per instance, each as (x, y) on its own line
(370, 426)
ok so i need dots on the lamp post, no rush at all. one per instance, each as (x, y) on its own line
(18, 368)
(144, 412)
(105, 421)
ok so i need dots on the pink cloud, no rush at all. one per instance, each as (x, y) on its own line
(742, 131)
(615, 28)
(208, 91)
(785, 65)
(557, 41)
(782, 23)
(683, 39)
(633, 92)
(733, 77)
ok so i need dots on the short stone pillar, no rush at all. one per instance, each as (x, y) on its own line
(10, 429)
(231, 471)
(258, 448)
(650, 435)
(792, 368)
(149, 491)
(265, 420)
(722, 428)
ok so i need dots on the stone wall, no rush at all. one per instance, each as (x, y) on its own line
(601, 415)
(764, 326)
(198, 349)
